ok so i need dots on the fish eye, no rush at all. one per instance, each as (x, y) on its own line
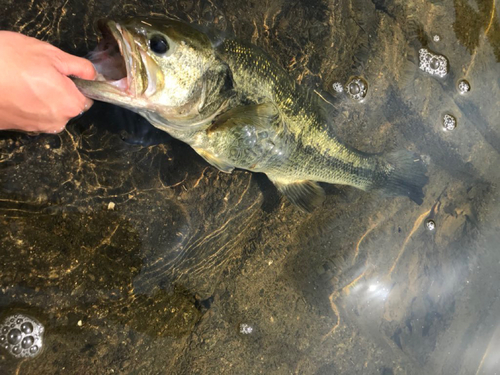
(158, 44)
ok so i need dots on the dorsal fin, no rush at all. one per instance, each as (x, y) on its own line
(324, 103)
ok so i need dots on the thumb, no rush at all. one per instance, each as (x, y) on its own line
(75, 66)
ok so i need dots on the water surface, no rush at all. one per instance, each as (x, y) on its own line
(139, 258)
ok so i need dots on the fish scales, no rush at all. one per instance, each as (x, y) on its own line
(238, 108)
(257, 75)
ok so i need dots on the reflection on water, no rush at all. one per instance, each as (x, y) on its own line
(138, 257)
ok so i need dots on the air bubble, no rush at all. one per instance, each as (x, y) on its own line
(436, 38)
(27, 327)
(463, 86)
(14, 336)
(433, 64)
(25, 338)
(356, 88)
(27, 342)
(449, 122)
(337, 86)
(430, 225)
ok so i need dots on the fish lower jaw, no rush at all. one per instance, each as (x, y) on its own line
(121, 84)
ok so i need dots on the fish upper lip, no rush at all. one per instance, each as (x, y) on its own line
(119, 34)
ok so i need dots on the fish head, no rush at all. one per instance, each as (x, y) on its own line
(164, 69)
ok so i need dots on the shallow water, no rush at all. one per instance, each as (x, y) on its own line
(138, 257)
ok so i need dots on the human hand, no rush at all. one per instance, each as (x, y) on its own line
(36, 94)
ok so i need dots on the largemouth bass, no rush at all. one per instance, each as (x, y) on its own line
(237, 108)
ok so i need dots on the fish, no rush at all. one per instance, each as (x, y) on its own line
(237, 108)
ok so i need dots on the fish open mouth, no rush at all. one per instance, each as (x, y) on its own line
(111, 58)
(126, 75)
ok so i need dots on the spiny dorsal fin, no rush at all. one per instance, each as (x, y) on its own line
(306, 195)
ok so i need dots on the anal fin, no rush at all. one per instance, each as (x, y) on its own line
(215, 161)
(306, 195)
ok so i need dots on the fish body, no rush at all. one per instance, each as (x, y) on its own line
(238, 109)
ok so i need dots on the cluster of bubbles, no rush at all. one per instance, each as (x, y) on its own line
(356, 88)
(463, 86)
(245, 329)
(433, 64)
(449, 122)
(430, 225)
(337, 86)
(21, 336)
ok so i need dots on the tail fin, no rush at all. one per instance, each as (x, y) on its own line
(403, 173)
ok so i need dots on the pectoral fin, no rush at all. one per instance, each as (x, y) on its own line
(260, 116)
(215, 161)
(306, 195)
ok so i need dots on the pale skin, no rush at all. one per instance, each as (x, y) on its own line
(36, 93)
